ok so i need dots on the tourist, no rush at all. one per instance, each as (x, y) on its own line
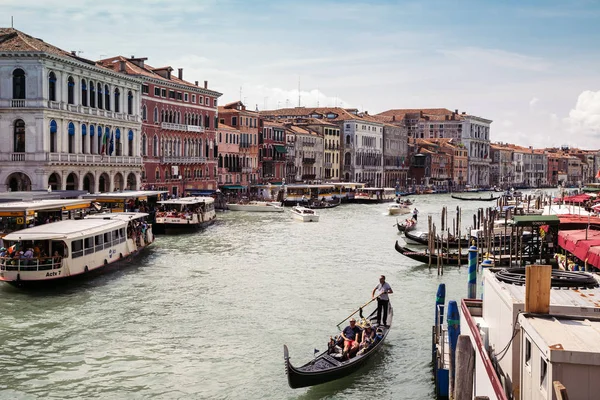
(382, 289)
(350, 335)
(28, 253)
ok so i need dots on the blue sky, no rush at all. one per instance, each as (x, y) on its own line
(531, 66)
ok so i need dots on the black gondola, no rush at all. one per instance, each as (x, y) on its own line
(452, 243)
(407, 226)
(491, 198)
(325, 368)
(320, 205)
(421, 256)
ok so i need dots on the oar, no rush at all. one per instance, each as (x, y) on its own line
(397, 223)
(359, 308)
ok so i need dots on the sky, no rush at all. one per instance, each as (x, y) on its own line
(531, 66)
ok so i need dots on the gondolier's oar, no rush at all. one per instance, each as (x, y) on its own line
(359, 308)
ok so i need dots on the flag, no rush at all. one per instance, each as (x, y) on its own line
(316, 351)
(112, 144)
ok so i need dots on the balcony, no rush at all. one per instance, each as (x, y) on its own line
(19, 157)
(183, 128)
(92, 159)
(328, 165)
(372, 167)
(246, 170)
(183, 160)
(308, 176)
(308, 160)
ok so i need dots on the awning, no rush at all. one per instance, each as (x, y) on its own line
(233, 187)
(279, 148)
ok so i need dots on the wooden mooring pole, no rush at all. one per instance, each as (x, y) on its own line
(465, 369)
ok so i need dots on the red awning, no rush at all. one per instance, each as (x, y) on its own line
(566, 219)
(578, 198)
(569, 240)
(583, 248)
(593, 256)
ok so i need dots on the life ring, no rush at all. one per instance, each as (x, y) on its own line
(19, 220)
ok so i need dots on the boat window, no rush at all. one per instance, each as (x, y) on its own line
(107, 237)
(89, 245)
(122, 232)
(77, 248)
(527, 352)
(99, 242)
(543, 373)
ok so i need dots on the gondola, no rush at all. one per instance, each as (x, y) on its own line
(475, 198)
(320, 205)
(407, 226)
(423, 257)
(325, 367)
(452, 243)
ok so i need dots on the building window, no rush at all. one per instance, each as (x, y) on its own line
(179, 96)
(200, 100)
(18, 84)
(233, 121)
(157, 174)
(155, 146)
(92, 95)
(194, 98)
(92, 150)
(207, 122)
(129, 103)
(99, 88)
(71, 137)
(84, 100)
(130, 143)
(185, 97)
(157, 91)
(163, 92)
(144, 113)
(53, 129)
(144, 145)
(171, 94)
(215, 102)
(70, 90)
(19, 136)
(119, 145)
(52, 87)
(155, 114)
(145, 89)
(83, 138)
(208, 101)
(117, 95)
(106, 97)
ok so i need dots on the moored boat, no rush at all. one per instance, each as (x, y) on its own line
(327, 366)
(304, 214)
(481, 198)
(186, 213)
(59, 250)
(422, 256)
(398, 209)
(256, 206)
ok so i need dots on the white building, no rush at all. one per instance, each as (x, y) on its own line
(476, 138)
(66, 122)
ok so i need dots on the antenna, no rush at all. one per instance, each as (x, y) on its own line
(240, 93)
(12, 21)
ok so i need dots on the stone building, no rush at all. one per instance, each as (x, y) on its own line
(67, 122)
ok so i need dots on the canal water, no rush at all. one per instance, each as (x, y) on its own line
(206, 315)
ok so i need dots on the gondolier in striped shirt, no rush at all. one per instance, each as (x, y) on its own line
(382, 290)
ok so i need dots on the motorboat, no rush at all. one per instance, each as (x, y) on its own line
(398, 209)
(256, 206)
(304, 214)
(187, 213)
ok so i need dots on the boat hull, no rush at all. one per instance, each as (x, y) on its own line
(398, 210)
(181, 227)
(306, 218)
(475, 198)
(423, 257)
(254, 207)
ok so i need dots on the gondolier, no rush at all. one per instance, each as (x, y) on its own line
(382, 290)
(415, 213)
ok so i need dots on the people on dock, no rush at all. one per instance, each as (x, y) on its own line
(383, 300)
(351, 334)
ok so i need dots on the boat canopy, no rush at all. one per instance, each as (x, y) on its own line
(188, 200)
(536, 220)
(67, 229)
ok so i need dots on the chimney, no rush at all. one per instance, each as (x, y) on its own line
(139, 61)
(73, 52)
(421, 114)
(393, 118)
(180, 74)
(456, 111)
(196, 83)
(122, 66)
(205, 84)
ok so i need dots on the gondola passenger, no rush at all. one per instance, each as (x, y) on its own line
(351, 335)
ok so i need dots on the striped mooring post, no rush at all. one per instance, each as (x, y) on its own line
(453, 334)
(472, 287)
(487, 263)
(440, 299)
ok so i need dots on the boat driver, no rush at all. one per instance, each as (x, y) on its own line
(350, 334)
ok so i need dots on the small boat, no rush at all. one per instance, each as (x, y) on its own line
(406, 202)
(70, 248)
(398, 209)
(407, 226)
(186, 213)
(256, 206)
(491, 198)
(326, 366)
(422, 238)
(422, 256)
(321, 205)
(304, 214)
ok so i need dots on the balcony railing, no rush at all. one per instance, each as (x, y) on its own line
(328, 165)
(308, 160)
(17, 103)
(372, 167)
(180, 127)
(86, 159)
(182, 160)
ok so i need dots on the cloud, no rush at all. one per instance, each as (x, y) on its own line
(499, 58)
(585, 117)
(533, 102)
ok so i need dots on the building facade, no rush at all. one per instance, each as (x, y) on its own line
(70, 123)
(229, 166)
(476, 138)
(307, 153)
(271, 152)
(395, 156)
(178, 129)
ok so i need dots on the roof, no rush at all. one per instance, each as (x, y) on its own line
(434, 114)
(188, 200)
(72, 228)
(341, 114)
(39, 205)
(126, 194)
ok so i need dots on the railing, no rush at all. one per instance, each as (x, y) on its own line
(72, 107)
(17, 103)
(246, 169)
(371, 167)
(30, 264)
(93, 159)
(180, 127)
(183, 160)
(328, 165)
(347, 168)
(55, 105)
(18, 157)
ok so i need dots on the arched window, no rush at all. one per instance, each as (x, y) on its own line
(19, 136)
(207, 121)
(99, 86)
(70, 90)
(18, 84)
(130, 143)
(117, 95)
(84, 94)
(157, 174)
(92, 143)
(129, 103)
(99, 149)
(144, 145)
(144, 113)
(220, 138)
(155, 146)
(106, 97)
(118, 142)
(92, 95)
(71, 137)
(52, 86)
(155, 119)
(83, 138)
(53, 129)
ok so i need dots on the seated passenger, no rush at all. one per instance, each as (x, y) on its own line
(368, 338)
(351, 334)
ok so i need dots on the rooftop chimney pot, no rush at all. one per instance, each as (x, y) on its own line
(205, 84)
(196, 83)
(180, 74)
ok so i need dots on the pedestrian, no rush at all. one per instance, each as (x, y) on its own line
(383, 300)
(415, 214)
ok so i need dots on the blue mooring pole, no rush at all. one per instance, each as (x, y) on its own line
(440, 300)
(453, 334)
(472, 287)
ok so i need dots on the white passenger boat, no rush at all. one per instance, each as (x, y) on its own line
(375, 195)
(398, 209)
(256, 206)
(186, 213)
(64, 249)
(304, 214)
